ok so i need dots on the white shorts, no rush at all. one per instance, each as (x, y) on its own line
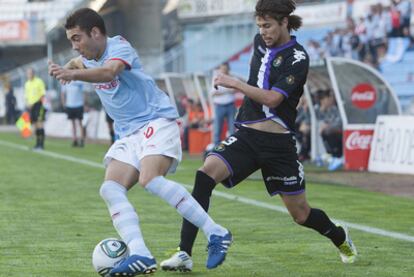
(158, 137)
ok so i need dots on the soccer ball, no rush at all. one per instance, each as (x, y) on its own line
(107, 254)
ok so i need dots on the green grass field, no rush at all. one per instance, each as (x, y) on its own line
(52, 217)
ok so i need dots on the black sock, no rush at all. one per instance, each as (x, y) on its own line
(41, 137)
(203, 188)
(38, 139)
(319, 221)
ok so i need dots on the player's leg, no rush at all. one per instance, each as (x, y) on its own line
(212, 172)
(38, 125)
(230, 162)
(79, 117)
(119, 178)
(203, 188)
(283, 174)
(74, 135)
(121, 174)
(318, 220)
(153, 169)
(40, 130)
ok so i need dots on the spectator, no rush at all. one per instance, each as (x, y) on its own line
(11, 111)
(404, 7)
(223, 99)
(34, 96)
(361, 31)
(330, 127)
(349, 8)
(314, 50)
(396, 24)
(73, 99)
(379, 39)
(196, 118)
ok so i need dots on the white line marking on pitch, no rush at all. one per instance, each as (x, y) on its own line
(241, 199)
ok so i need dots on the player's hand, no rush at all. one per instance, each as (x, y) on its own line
(52, 68)
(64, 76)
(225, 81)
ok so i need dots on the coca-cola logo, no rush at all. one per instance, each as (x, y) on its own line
(358, 141)
(363, 96)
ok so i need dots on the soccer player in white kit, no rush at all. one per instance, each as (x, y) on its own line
(149, 146)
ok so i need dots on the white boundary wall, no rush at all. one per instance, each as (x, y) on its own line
(392, 149)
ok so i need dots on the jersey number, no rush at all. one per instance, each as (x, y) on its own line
(229, 141)
(149, 132)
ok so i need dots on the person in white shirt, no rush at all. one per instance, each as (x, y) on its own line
(223, 99)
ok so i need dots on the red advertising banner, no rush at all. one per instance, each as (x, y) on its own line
(14, 30)
(357, 146)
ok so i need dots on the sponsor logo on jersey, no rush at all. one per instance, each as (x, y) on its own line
(278, 61)
(358, 141)
(363, 96)
(220, 147)
(287, 181)
(290, 80)
(298, 55)
(107, 86)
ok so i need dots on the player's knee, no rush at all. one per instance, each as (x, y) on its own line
(300, 218)
(215, 170)
(299, 213)
(105, 189)
(144, 179)
(109, 188)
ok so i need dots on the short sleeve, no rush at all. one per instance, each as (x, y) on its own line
(293, 75)
(122, 51)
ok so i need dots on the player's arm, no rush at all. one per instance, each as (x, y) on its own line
(292, 78)
(103, 74)
(265, 97)
(75, 63)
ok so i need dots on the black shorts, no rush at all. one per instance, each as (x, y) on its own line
(75, 113)
(37, 112)
(275, 154)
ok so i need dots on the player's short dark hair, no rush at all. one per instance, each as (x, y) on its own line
(279, 9)
(85, 19)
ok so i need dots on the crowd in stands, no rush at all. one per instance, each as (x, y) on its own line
(365, 38)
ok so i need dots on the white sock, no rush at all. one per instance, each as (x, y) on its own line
(178, 197)
(124, 217)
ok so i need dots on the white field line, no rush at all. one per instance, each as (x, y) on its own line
(241, 199)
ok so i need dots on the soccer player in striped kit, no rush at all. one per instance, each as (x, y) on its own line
(265, 139)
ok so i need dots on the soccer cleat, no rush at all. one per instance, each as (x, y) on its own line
(347, 249)
(135, 265)
(217, 249)
(180, 261)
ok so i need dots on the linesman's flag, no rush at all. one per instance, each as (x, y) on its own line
(24, 125)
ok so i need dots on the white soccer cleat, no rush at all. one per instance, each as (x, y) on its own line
(347, 249)
(180, 261)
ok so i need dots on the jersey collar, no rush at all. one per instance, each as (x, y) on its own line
(288, 44)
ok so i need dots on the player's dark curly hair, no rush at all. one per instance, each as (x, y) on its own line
(279, 9)
(85, 19)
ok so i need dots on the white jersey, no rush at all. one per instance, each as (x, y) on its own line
(132, 99)
(74, 94)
